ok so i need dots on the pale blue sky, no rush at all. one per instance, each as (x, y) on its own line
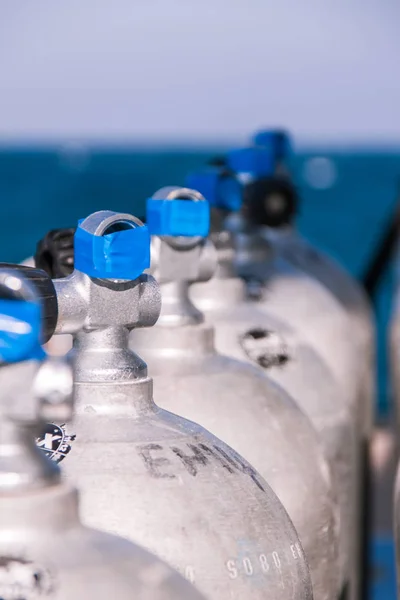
(206, 70)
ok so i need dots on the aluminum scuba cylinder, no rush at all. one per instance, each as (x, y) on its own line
(273, 283)
(286, 353)
(270, 207)
(271, 204)
(45, 552)
(316, 313)
(245, 332)
(233, 400)
(144, 472)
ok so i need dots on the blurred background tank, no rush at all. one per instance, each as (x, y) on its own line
(231, 399)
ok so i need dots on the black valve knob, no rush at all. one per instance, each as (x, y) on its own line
(46, 293)
(55, 253)
(270, 201)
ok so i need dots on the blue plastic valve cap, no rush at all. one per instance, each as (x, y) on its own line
(120, 255)
(20, 326)
(276, 140)
(218, 187)
(256, 161)
(176, 217)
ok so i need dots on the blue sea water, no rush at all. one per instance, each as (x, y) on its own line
(348, 199)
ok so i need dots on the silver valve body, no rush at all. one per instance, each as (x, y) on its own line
(87, 307)
(45, 552)
(157, 478)
(177, 261)
(242, 407)
(101, 312)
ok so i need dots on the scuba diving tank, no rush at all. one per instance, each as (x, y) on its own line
(45, 552)
(245, 332)
(288, 292)
(270, 205)
(297, 297)
(233, 400)
(144, 472)
(313, 321)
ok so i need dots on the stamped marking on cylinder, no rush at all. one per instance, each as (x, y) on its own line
(264, 347)
(296, 551)
(264, 563)
(193, 457)
(21, 579)
(193, 460)
(276, 559)
(55, 442)
(153, 462)
(253, 565)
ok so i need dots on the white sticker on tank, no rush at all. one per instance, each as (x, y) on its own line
(24, 580)
(55, 442)
(264, 347)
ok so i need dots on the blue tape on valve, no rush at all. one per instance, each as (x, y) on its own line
(219, 189)
(20, 327)
(205, 182)
(178, 217)
(258, 162)
(120, 255)
(276, 140)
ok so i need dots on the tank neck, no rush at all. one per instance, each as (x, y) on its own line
(219, 293)
(183, 343)
(180, 330)
(110, 379)
(177, 309)
(225, 289)
(103, 356)
(23, 467)
(129, 399)
(55, 508)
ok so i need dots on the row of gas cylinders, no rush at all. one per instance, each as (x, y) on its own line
(220, 374)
